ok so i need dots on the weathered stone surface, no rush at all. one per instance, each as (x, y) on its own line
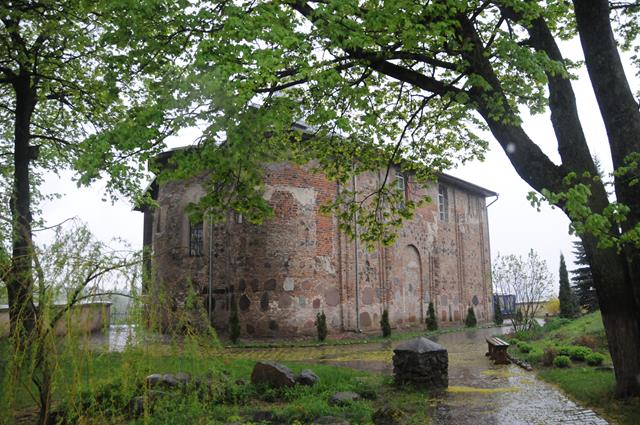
(343, 397)
(264, 302)
(307, 377)
(244, 303)
(422, 362)
(365, 319)
(272, 374)
(388, 416)
(153, 379)
(270, 285)
(183, 378)
(332, 297)
(169, 380)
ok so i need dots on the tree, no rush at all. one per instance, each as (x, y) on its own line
(321, 326)
(431, 320)
(234, 321)
(497, 313)
(582, 280)
(470, 321)
(568, 305)
(528, 279)
(378, 82)
(384, 324)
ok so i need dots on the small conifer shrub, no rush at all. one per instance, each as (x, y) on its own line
(497, 314)
(471, 321)
(234, 321)
(384, 324)
(321, 326)
(431, 321)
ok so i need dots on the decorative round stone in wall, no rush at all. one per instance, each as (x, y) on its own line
(244, 303)
(367, 295)
(475, 300)
(289, 284)
(316, 303)
(242, 285)
(255, 285)
(285, 301)
(302, 301)
(332, 297)
(270, 285)
(264, 301)
(365, 319)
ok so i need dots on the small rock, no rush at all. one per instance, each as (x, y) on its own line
(263, 416)
(368, 394)
(307, 377)
(153, 379)
(241, 382)
(343, 397)
(272, 374)
(331, 420)
(388, 416)
(183, 378)
(169, 380)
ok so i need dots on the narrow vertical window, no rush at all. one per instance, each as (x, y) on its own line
(443, 203)
(196, 239)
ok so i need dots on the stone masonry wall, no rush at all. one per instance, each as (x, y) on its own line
(284, 272)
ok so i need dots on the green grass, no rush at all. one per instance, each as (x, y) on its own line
(589, 385)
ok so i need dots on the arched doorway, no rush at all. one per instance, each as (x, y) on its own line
(411, 285)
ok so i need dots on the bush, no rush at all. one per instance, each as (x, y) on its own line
(564, 350)
(497, 313)
(431, 321)
(524, 347)
(321, 326)
(384, 324)
(579, 353)
(562, 361)
(548, 356)
(234, 321)
(595, 359)
(535, 356)
(586, 341)
(555, 323)
(470, 321)
(514, 341)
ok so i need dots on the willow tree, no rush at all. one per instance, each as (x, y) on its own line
(374, 82)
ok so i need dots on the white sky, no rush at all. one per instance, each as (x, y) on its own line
(515, 226)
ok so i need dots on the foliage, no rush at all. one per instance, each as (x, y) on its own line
(431, 321)
(524, 347)
(321, 326)
(555, 323)
(595, 359)
(568, 303)
(470, 321)
(561, 361)
(553, 306)
(497, 313)
(384, 324)
(528, 279)
(579, 354)
(234, 321)
(535, 356)
(548, 356)
(582, 280)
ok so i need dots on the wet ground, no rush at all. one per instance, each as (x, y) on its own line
(479, 392)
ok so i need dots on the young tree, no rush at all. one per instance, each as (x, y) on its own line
(384, 324)
(568, 305)
(431, 320)
(582, 280)
(321, 326)
(497, 313)
(528, 279)
(412, 80)
(470, 321)
(234, 321)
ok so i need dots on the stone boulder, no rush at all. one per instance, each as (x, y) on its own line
(343, 397)
(307, 377)
(272, 374)
(422, 362)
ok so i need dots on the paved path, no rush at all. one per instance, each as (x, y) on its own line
(479, 392)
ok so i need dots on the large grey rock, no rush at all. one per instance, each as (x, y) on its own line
(307, 377)
(343, 397)
(422, 362)
(272, 374)
(153, 379)
(168, 380)
(183, 378)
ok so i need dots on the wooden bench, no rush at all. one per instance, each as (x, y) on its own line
(497, 350)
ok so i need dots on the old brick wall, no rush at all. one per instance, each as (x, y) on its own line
(284, 272)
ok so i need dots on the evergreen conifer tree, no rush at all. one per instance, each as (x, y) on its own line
(431, 321)
(568, 307)
(582, 281)
(497, 313)
(384, 324)
(321, 326)
(234, 321)
(470, 321)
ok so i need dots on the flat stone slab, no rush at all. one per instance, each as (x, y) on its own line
(420, 345)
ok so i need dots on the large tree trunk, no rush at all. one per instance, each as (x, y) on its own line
(20, 282)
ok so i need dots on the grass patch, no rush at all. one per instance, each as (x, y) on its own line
(589, 385)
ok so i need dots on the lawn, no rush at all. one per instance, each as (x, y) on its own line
(591, 385)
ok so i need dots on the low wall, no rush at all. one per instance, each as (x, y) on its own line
(84, 318)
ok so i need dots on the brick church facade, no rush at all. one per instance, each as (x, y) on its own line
(285, 271)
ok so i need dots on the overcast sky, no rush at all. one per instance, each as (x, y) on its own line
(515, 226)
